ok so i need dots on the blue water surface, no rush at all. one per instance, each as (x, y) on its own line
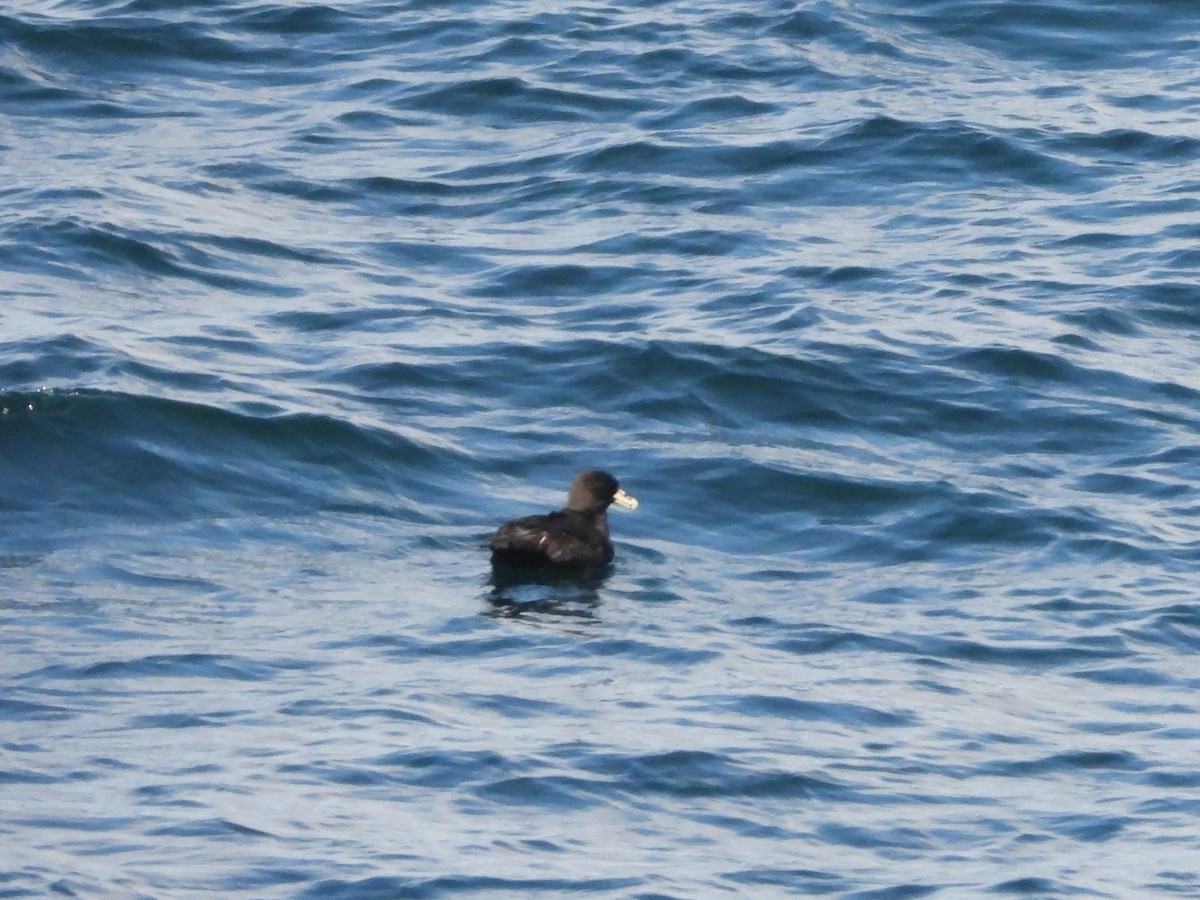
(888, 313)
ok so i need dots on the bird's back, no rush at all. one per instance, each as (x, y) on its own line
(564, 539)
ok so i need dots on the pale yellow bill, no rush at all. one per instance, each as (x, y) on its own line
(623, 499)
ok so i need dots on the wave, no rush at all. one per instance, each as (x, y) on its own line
(106, 453)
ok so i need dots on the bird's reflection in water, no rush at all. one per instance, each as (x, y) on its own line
(530, 594)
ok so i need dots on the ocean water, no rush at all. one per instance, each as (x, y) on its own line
(888, 313)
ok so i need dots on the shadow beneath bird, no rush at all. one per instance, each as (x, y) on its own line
(521, 593)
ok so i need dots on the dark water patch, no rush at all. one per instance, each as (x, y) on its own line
(646, 651)
(1172, 304)
(896, 838)
(852, 714)
(548, 792)
(343, 774)
(406, 385)
(260, 878)
(222, 829)
(845, 277)
(1076, 341)
(146, 457)
(725, 108)
(694, 773)
(817, 639)
(531, 603)
(747, 827)
(889, 596)
(765, 508)
(985, 520)
(687, 242)
(1089, 829)
(648, 158)
(1177, 883)
(1027, 886)
(181, 720)
(425, 189)
(1126, 675)
(321, 710)
(514, 707)
(328, 23)
(348, 321)
(935, 686)
(898, 892)
(405, 648)
(1146, 102)
(1097, 240)
(1105, 550)
(504, 100)
(1151, 709)
(1122, 484)
(560, 281)
(449, 769)
(395, 888)
(1176, 626)
(20, 776)
(111, 764)
(735, 386)
(435, 197)
(25, 710)
(166, 796)
(1066, 36)
(802, 881)
(419, 256)
(840, 30)
(529, 51)
(1065, 408)
(1067, 764)
(81, 250)
(288, 187)
(1019, 365)
(37, 99)
(1177, 456)
(814, 640)
(222, 667)
(109, 41)
(360, 121)
(666, 69)
(1125, 145)
(1174, 781)
(193, 585)
(886, 151)
(896, 151)
(1114, 728)
(1035, 657)
(13, 747)
(249, 248)
(89, 823)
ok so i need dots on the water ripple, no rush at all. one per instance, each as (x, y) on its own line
(887, 315)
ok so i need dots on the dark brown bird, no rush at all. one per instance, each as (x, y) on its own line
(573, 538)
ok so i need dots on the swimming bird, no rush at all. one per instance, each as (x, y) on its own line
(574, 538)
